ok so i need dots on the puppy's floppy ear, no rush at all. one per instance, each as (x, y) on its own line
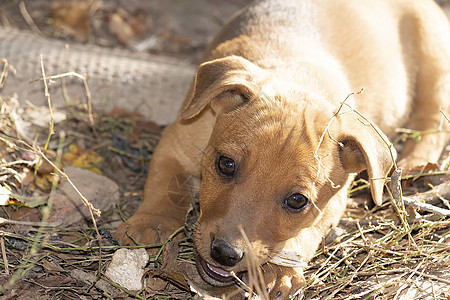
(232, 76)
(364, 148)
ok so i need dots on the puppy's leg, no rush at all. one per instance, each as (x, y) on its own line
(283, 282)
(166, 195)
(432, 93)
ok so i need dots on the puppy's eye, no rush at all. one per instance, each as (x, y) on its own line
(226, 166)
(296, 202)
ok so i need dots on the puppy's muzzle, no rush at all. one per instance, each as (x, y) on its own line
(225, 253)
(222, 254)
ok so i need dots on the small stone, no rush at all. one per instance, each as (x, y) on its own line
(127, 268)
(68, 208)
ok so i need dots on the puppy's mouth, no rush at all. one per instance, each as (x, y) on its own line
(213, 275)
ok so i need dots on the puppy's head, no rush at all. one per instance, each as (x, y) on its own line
(276, 167)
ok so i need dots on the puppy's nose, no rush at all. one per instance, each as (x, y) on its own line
(225, 254)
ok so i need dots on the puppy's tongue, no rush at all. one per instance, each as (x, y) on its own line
(216, 273)
(219, 271)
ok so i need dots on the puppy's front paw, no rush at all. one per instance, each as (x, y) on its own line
(283, 282)
(146, 229)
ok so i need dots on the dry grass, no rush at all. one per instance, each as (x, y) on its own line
(379, 248)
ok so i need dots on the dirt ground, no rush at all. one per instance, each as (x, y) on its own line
(63, 260)
(174, 27)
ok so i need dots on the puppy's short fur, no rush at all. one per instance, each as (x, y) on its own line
(262, 127)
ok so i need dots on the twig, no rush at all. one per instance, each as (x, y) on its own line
(432, 173)
(361, 233)
(62, 75)
(396, 187)
(426, 207)
(420, 132)
(29, 163)
(47, 94)
(29, 19)
(89, 103)
(397, 196)
(24, 223)
(4, 74)
(443, 113)
(63, 69)
(416, 200)
(5, 258)
(241, 283)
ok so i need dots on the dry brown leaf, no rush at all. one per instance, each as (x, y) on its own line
(120, 28)
(77, 156)
(72, 17)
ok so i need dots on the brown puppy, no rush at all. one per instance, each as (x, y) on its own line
(265, 128)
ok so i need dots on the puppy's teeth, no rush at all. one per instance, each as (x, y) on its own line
(219, 271)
